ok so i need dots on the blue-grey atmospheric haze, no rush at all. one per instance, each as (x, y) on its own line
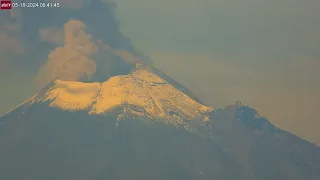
(264, 53)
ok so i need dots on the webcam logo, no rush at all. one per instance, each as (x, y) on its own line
(6, 5)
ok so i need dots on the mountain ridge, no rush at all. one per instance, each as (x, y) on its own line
(142, 126)
(140, 93)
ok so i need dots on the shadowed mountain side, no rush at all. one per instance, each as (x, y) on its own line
(264, 150)
(46, 143)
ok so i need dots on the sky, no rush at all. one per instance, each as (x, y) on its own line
(265, 53)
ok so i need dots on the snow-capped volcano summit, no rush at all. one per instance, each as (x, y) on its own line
(144, 125)
(143, 92)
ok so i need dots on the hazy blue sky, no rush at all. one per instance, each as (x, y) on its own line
(265, 53)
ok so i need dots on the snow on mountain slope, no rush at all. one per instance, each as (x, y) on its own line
(140, 93)
(69, 95)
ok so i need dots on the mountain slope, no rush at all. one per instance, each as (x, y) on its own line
(263, 149)
(58, 144)
(141, 126)
(141, 93)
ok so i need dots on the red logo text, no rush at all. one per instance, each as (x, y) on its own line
(6, 5)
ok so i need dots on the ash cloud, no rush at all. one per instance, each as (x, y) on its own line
(71, 61)
(39, 40)
(34, 50)
(79, 57)
(52, 35)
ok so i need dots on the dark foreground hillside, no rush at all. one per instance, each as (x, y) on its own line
(49, 144)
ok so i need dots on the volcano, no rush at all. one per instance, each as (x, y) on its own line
(144, 125)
